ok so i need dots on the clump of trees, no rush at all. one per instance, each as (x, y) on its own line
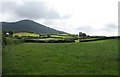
(82, 35)
(50, 41)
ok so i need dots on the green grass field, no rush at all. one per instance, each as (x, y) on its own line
(87, 58)
(48, 39)
(25, 34)
(61, 36)
(52, 36)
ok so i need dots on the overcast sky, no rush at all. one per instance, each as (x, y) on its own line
(93, 17)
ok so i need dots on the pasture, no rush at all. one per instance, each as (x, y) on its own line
(61, 36)
(86, 58)
(27, 34)
(20, 34)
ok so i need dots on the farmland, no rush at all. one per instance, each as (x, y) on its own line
(81, 58)
(44, 38)
(20, 34)
(28, 34)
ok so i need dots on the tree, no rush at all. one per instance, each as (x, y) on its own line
(10, 32)
(3, 33)
(48, 36)
(3, 38)
(82, 34)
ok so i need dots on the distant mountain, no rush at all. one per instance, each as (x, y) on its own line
(28, 26)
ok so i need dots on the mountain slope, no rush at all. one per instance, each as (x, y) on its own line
(29, 26)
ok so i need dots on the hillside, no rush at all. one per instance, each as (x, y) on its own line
(29, 26)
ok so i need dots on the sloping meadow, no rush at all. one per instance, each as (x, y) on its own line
(86, 58)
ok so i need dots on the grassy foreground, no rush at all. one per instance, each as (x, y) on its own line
(89, 58)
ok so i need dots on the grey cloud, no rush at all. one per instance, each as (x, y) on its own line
(86, 29)
(8, 6)
(66, 16)
(55, 22)
(110, 27)
(107, 28)
(33, 10)
(91, 31)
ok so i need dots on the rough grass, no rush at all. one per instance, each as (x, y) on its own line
(10, 40)
(89, 58)
(61, 36)
(48, 39)
(26, 34)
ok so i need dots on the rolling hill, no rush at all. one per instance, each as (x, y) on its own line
(28, 26)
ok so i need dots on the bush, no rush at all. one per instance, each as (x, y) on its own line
(49, 41)
(100, 38)
(17, 37)
(3, 41)
(9, 40)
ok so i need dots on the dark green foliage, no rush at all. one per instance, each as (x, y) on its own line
(97, 38)
(48, 36)
(82, 35)
(49, 41)
(10, 32)
(17, 37)
(3, 41)
(10, 40)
